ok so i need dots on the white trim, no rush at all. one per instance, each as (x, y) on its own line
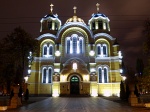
(105, 35)
(74, 24)
(46, 35)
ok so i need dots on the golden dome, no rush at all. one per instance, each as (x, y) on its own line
(75, 19)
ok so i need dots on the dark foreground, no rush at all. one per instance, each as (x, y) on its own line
(77, 104)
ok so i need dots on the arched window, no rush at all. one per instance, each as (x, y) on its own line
(47, 50)
(103, 75)
(44, 75)
(50, 50)
(100, 75)
(102, 50)
(74, 44)
(81, 46)
(98, 50)
(68, 46)
(47, 75)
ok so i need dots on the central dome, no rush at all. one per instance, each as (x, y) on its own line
(75, 19)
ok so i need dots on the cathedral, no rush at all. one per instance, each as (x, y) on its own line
(76, 58)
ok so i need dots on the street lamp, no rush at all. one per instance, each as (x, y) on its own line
(26, 79)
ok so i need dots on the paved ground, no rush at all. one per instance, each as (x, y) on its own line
(78, 104)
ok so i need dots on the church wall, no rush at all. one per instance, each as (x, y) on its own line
(64, 88)
(45, 89)
(108, 89)
(85, 88)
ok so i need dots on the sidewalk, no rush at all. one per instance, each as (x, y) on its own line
(77, 104)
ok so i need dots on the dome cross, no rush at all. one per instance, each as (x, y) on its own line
(74, 8)
(51, 9)
(97, 5)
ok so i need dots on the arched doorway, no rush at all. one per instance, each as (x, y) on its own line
(74, 85)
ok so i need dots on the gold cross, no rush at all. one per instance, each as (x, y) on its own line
(97, 5)
(74, 8)
(51, 7)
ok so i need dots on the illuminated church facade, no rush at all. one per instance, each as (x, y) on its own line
(76, 58)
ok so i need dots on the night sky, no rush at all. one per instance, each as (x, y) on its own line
(126, 19)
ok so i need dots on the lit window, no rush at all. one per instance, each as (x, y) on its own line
(103, 75)
(50, 50)
(100, 75)
(47, 75)
(102, 50)
(44, 75)
(68, 46)
(98, 49)
(74, 66)
(81, 45)
(74, 44)
(47, 50)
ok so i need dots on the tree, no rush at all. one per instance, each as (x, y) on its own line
(146, 32)
(139, 66)
(144, 80)
(122, 91)
(16, 48)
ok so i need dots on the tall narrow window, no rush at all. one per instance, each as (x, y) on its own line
(93, 25)
(105, 75)
(68, 46)
(45, 50)
(100, 25)
(44, 75)
(56, 26)
(50, 25)
(81, 46)
(74, 44)
(50, 50)
(49, 75)
(100, 75)
(104, 51)
(99, 50)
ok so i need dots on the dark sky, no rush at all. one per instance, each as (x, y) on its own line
(126, 19)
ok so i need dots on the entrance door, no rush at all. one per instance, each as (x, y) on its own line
(74, 85)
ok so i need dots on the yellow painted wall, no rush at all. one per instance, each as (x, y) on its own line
(109, 89)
